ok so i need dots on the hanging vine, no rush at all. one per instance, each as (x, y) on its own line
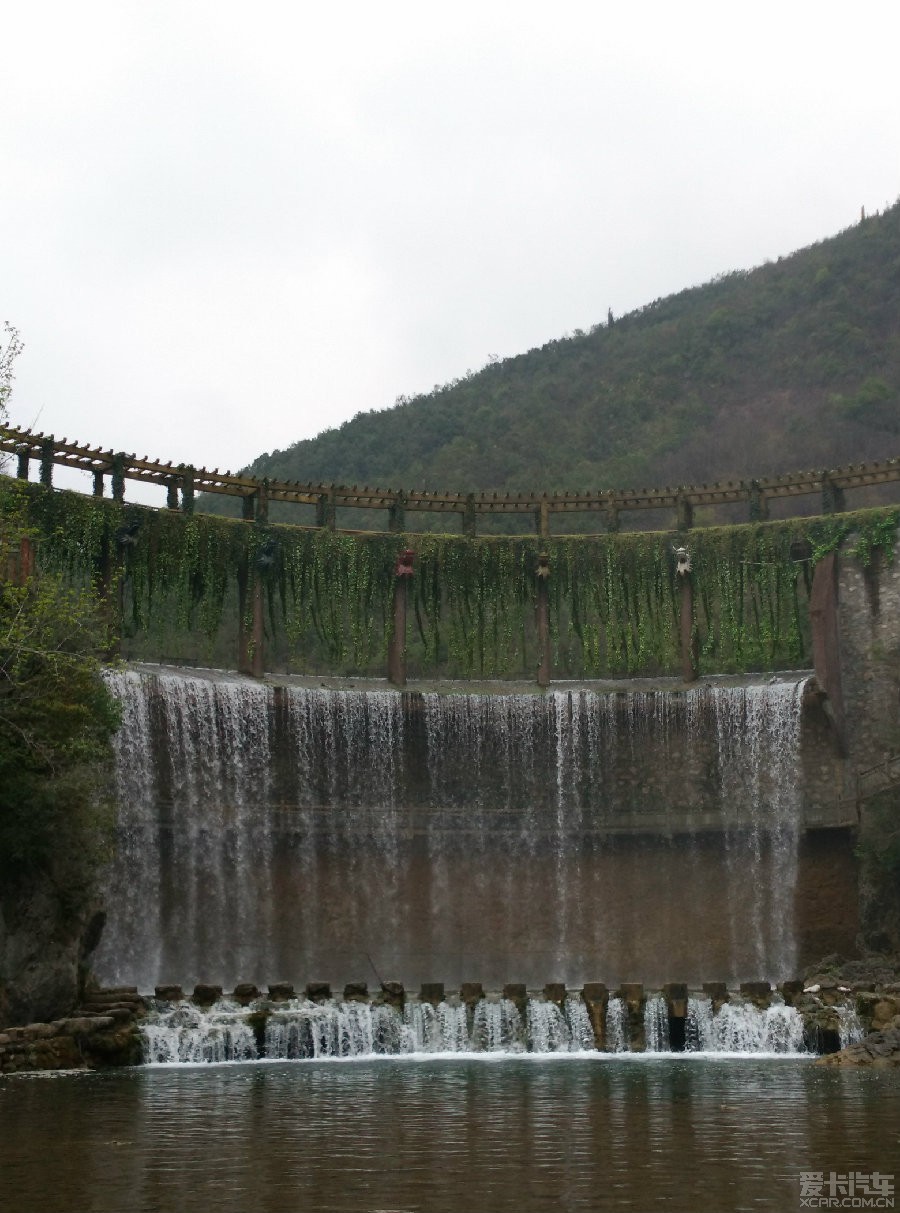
(182, 581)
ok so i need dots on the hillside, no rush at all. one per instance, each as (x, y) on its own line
(792, 365)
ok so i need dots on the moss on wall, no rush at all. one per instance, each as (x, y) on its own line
(615, 599)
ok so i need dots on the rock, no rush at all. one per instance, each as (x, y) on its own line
(884, 1011)
(42, 947)
(471, 992)
(877, 1049)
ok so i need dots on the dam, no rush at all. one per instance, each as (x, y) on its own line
(295, 832)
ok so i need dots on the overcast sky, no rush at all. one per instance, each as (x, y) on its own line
(227, 227)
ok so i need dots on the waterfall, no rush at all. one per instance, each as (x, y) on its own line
(656, 1025)
(299, 832)
(616, 1026)
(304, 1029)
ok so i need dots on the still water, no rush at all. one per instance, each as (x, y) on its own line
(440, 1134)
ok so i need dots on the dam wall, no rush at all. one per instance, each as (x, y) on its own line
(328, 833)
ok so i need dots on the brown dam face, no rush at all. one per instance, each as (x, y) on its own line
(305, 834)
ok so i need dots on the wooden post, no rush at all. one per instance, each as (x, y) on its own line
(397, 647)
(172, 494)
(543, 619)
(98, 482)
(22, 466)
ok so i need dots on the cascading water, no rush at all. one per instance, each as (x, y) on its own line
(302, 833)
(743, 1028)
(656, 1025)
(304, 1029)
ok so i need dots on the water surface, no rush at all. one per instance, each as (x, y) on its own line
(428, 1135)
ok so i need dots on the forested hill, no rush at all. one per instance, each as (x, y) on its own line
(792, 365)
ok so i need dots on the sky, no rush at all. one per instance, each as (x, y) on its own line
(224, 228)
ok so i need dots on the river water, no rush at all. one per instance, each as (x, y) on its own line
(438, 1134)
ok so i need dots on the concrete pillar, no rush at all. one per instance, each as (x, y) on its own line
(596, 998)
(469, 517)
(676, 996)
(187, 490)
(632, 994)
(432, 991)
(397, 513)
(403, 571)
(47, 463)
(685, 513)
(687, 637)
(543, 620)
(823, 614)
(251, 622)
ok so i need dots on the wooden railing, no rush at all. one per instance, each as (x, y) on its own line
(183, 482)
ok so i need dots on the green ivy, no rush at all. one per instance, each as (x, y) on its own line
(180, 583)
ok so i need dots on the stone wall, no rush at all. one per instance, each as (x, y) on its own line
(869, 639)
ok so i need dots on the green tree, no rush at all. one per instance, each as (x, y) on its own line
(9, 352)
(57, 720)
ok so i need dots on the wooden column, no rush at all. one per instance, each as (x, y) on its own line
(543, 620)
(403, 570)
(22, 463)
